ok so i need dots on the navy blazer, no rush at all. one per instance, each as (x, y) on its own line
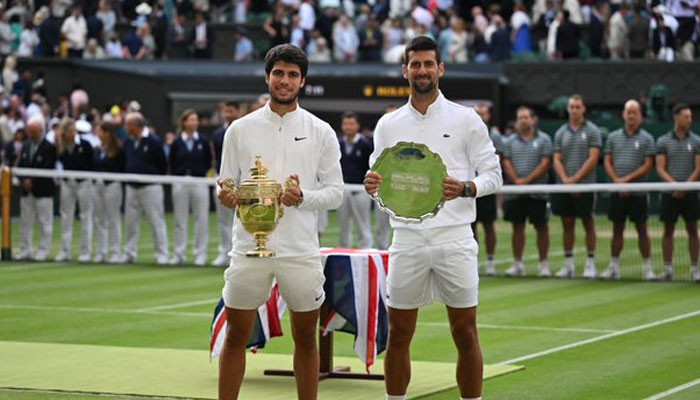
(45, 158)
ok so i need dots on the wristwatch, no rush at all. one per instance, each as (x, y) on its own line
(467, 191)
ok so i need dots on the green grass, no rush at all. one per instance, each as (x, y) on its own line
(123, 306)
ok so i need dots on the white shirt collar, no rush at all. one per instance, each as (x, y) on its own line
(354, 139)
(274, 117)
(184, 136)
(433, 108)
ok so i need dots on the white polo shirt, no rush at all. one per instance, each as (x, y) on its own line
(298, 143)
(460, 137)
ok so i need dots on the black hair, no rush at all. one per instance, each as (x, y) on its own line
(421, 43)
(678, 108)
(289, 54)
(232, 103)
(351, 114)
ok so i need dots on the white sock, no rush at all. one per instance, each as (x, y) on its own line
(569, 262)
(647, 264)
(544, 264)
(615, 262)
(490, 263)
(471, 398)
(591, 262)
(400, 397)
(693, 267)
(519, 264)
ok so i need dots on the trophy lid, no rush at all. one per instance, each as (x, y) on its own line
(258, 175)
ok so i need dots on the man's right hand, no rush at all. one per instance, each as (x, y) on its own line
(372, 182)
(27, 185)
(227, 197)
(679, 194)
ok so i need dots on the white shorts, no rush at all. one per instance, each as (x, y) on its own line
(433, 264)
(249, 281)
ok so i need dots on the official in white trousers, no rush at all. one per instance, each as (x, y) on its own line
(355, 150)
(144, 155)
(354, 212)
(75, 154)
(109, 158)
(36, 201)
(224, 215)
(190, 155)
(108, 221)
(146, 200)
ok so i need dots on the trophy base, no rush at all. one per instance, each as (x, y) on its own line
(260, 254)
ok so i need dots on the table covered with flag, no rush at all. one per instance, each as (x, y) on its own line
(355, 300)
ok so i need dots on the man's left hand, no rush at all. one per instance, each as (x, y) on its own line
(451, 188)
(292, 194)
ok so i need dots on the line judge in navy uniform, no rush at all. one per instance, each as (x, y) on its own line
(36, 202)
(75, 154)
(144, 155)
(190, 155)
(355, 150)
(224, 215)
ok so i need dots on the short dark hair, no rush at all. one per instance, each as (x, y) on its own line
(232, 103)
(421, 43)
(526, 108)
(678, 108)
(351, 114)
(577, 97)
(289, 54)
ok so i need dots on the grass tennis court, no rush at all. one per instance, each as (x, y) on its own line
(577, 339)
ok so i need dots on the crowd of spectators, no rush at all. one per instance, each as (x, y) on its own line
(347, 31)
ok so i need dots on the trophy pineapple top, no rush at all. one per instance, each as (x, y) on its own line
(258, 172)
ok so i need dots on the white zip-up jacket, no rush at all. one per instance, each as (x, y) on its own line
(298, 143)
(460, 137)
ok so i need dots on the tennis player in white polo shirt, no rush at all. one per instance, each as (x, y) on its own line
(293, 143)
(436, 259)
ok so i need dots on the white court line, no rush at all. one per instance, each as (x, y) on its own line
(674, 390)
(103, 310)
(94, 394)
(525, 327)
(601, 338)
(179, 305)
(33, 265)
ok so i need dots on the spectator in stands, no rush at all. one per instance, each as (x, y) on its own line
(499, 44)
(244, 47)
(576, 152)
(108, 17)
(684, 12)
(597, 27)
(74, 31)
(49, 36)
(177, 47)
(486, 206)
(526, 160)
(317, 50)
(459, 41)
(568, 36)
(638, 34)
(139, 44)
(617, 33)
(29, 40)
(520, 24)
(159, 30)
(36, 201)
(114, 47)
(13, 149)
(371, 41)
(345, 41)
(94, 51)
(6, 36)
(95, 28)
(296, 37)
(393, 34)
(76, 155)
(108, 196)
(224, 215)
(190, 155)
(664, 41)
(144, 155)
(307, 15)
(678, 160)
(235, 11)
(629, 157)
(278, 25)
(9, 74)
(201, 37)
(355, 150)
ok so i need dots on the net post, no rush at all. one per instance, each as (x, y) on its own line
(6, 194)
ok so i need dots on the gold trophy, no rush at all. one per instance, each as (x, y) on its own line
(259, 205)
